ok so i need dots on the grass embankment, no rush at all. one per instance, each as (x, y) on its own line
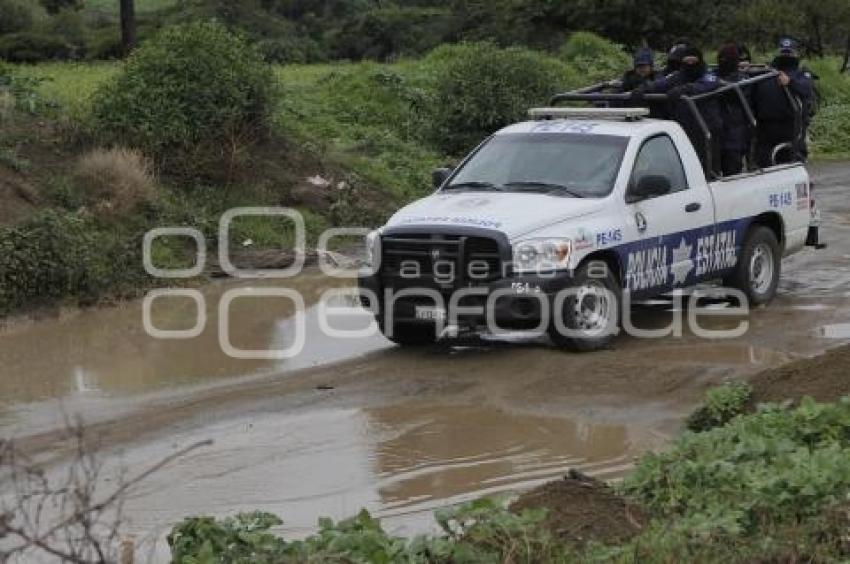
(748, 483)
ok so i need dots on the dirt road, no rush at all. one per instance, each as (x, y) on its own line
(359, 423)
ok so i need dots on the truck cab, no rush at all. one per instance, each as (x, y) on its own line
(549, 223)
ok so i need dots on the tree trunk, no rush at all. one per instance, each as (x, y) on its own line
(128, 25)
(846, 62)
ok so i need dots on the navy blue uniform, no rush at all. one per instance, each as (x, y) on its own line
(735, 144)
(778, 117)
(679, 84)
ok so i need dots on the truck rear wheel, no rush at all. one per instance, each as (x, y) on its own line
(759, 265)
(590, 314)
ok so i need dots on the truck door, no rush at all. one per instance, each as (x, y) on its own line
(666, 217)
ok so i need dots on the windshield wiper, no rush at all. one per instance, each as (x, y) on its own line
(474, 185)
(546, 186)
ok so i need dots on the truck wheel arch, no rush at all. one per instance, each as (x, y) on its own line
(774, 222)
(609, 257)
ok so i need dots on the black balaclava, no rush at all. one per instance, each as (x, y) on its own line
(692, 72)
(727, 60)
(786, 62)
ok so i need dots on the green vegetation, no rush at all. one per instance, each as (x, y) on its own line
(481, 88)
(56, 254)
(186, 94)
(772, 485)
(767, 486)
(721, 404)
(480, 531)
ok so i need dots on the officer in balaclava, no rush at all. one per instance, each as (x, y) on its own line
(675, 54)
(745, 59)
(736, 131)
(782, 125)
(690, 79)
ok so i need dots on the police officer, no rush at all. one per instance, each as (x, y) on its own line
(642, 72)
(780, 122)
(692, 78)
(745, 59)
(736, 132)
(675, 54)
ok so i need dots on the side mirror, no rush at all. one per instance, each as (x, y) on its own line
(440, 175)
(649, 186)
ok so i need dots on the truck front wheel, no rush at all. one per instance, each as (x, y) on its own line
(410, 334)
(758, 268)
(589, 311)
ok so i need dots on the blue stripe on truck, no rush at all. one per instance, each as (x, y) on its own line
(681, 259)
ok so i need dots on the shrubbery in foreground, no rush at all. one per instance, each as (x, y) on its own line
(768, 486)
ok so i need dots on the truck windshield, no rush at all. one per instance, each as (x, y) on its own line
(562, 164)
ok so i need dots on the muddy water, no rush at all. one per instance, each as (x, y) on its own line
(355, 423)
(98, 359)
(398, 462)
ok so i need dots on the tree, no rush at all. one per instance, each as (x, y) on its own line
(55, 6)
(128, 25)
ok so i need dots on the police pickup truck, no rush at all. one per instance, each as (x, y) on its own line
(549, 223)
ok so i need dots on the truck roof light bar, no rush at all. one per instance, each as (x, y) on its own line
(628, 114)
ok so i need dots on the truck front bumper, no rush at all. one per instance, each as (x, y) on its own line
(518, 302)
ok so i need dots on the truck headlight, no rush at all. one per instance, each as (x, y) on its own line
(540, 255)
(373, 249)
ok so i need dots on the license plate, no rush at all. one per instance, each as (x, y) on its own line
(430, 313)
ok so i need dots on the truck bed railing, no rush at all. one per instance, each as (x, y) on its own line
(607, 92)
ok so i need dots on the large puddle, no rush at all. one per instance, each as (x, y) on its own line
(399, 462)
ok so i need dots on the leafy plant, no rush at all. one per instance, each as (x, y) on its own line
(244, 538)
(775, 466)
(479, 531)
(721, 404)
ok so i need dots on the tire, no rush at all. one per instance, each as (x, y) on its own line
(410, 334)
(759, 266)
(596, 323)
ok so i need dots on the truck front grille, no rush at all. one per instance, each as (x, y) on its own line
(442, 261)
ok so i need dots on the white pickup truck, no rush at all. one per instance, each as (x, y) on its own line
(600, 201)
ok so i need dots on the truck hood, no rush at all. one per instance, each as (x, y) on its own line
(515, 214)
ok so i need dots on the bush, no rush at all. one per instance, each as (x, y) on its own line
(33, 46)
(830, 130)
(50, 256)
(114, 181)
(194, 96)
(594, 57)
(721, 404)
(14, 16)
(105, 44)
(481, 88)
(480, 531)
(68, 25)
(389, 32)
(777, 466)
